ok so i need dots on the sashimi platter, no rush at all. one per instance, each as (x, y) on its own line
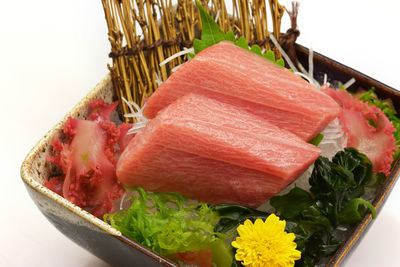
(239, 158)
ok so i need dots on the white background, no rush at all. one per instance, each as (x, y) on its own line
(53, 52)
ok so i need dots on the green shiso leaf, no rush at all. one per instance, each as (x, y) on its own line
(211, 33)
(241, 42)
(199, 45)
(230, 36)
(190, 56)
(317, 140)
(270, 55)
(167, 223)
(280, 62)
(256, 50)
(372, 123)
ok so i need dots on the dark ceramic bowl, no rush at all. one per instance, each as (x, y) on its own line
(109, 244)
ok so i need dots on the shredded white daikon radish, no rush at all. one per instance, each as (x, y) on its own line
(180, 53)
(301, 68)
(310, 72)
(158, 79)
(289, 62)
(349, 83)
(334, 139)
(217, 16)
(302, 75)
(311, 64)
(308, 78)
(138, 114)
(137, 127)
(306, 75)
(122, 201)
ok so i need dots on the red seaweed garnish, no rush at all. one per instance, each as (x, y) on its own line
(87, 158)
(367, 128)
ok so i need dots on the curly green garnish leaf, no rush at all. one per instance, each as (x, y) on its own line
(167, 223)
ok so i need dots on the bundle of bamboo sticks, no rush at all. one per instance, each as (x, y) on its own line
(144, 33)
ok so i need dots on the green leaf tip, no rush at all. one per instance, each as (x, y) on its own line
(270, 55)
(256, 50)
(211, 33)
(317, 140)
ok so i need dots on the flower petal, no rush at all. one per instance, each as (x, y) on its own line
(265, 243)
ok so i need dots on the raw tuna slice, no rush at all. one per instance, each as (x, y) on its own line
(305, 127)
(162, 169)
(260, 156)
(229, 70)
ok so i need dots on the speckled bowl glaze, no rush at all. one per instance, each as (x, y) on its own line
(109, 244)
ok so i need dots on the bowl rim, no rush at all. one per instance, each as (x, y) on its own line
(27, 177)
(26, 167)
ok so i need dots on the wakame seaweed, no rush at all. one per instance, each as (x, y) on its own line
(334, 200)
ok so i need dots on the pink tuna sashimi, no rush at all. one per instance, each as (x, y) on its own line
(229, 70)
(212, 129)
(305, 127)
(161, 169)
(213, 110)
(215, 137)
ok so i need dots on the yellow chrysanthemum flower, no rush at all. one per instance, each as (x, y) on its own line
(265, 243)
